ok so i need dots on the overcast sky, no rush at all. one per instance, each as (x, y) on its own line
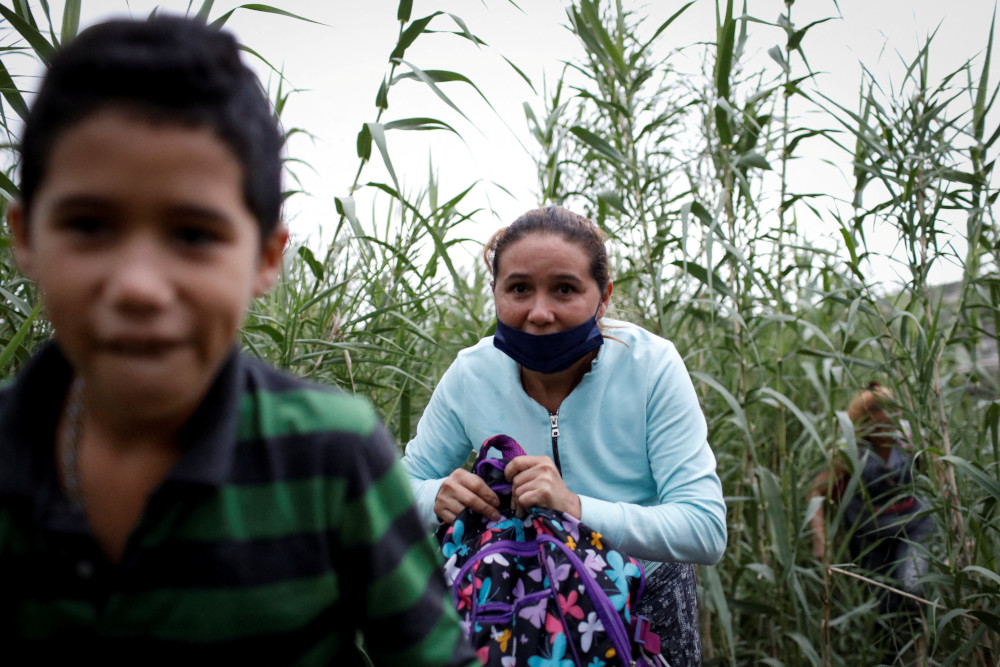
(338, 66)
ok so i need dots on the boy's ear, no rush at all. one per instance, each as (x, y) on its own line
(271, 254)
(20, 238)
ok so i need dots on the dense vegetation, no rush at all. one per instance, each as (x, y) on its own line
(689, 175)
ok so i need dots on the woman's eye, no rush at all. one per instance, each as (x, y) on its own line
(519, 288)
(566, 289)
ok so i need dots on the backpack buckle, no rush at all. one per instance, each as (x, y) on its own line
(643, 635)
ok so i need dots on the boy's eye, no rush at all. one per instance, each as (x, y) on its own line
(87, 225)
(196, 236)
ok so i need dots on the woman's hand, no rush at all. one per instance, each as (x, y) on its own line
(463, 489)
(537, 483)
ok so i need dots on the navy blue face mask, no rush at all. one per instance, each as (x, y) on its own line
(548, 353)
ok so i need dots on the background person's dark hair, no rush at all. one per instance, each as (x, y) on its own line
(553, 220)
(168, 69)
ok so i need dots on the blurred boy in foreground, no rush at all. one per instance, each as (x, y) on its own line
(157, 488)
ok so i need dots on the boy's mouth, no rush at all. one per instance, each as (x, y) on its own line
(143, 347)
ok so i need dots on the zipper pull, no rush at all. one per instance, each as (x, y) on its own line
(554, 423)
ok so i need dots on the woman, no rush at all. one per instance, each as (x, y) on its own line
(607, 413)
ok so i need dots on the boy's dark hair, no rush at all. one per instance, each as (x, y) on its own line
(167, 69)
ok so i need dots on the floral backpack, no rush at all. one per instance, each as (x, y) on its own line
(542, 590)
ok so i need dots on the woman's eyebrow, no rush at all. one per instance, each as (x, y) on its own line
(511, 277)
(559, 277)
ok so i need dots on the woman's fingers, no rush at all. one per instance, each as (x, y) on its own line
(462, 489)
(536, 482)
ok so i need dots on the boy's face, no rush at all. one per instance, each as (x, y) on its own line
(147, 259)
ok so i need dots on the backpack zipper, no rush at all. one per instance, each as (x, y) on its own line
(554, 424)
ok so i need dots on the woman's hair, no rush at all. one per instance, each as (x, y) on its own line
(553, 220)
(871, 404)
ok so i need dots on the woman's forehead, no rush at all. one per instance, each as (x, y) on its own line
(541, 250)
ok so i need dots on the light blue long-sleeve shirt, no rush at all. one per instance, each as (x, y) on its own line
(632, 442)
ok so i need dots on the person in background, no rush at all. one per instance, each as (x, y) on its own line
(605, 410)
(890, 529)
(162, 497)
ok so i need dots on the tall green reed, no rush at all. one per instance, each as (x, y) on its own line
(395, 294)
(30, 35)
(690, 177)
(689, 173)
(380, 310)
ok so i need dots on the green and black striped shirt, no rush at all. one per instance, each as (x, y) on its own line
(285, 531)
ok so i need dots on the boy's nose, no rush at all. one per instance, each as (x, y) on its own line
(138, 279)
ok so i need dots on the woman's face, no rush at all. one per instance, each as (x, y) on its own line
(543, 285)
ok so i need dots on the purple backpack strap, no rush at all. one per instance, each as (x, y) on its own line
(508, 448)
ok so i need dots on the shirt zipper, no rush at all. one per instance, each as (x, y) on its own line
(554, 424)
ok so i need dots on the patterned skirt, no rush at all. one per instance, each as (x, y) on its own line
(670, 602)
